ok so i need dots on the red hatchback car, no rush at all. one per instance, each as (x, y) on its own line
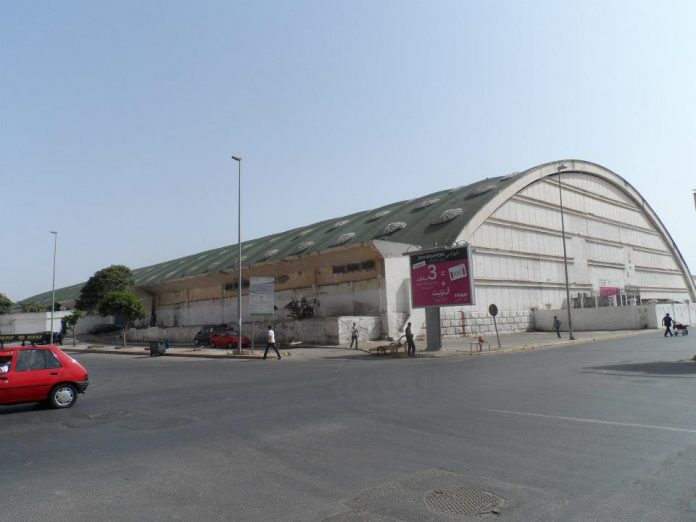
(227, 339)
(40, 373)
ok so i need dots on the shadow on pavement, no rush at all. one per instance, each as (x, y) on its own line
(666, 368)
(22, 408)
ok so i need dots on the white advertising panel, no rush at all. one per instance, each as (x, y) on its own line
(261, 296)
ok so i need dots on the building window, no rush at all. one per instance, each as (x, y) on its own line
(353, 267)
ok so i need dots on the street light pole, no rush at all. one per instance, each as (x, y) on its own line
(53, 289)
(238, 159)
(561, 167)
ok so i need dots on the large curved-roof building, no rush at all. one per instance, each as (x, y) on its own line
(354, 265)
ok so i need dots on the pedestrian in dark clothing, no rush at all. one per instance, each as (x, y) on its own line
(270, 342)
(667, 323)
(410, 345)
(354, 336)
(557, 325)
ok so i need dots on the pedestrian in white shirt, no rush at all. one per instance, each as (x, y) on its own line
(270, 342)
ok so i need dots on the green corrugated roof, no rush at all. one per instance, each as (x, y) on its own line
(421, 219)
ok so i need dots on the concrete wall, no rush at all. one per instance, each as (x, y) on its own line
(90, 321)
(468, 321)
(680, 312)
(31, 322)
(369, 329)
(348, 298)
(396, 310)
(317, 330)
(616, 317)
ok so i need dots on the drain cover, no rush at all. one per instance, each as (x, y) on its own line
(464, 501)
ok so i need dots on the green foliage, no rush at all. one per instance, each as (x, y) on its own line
(124, 303)
(34, 307)
(116, 278)
(71, 320)
(5, 304)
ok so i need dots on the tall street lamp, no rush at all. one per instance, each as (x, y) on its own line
(53, 289)
(238, 159)
(559, 168)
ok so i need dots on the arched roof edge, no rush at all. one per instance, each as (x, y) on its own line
(545, 170)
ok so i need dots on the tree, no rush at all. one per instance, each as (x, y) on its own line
(71, 321)
(124, 303)
(28, 308)
(115, 278)
(5, 304)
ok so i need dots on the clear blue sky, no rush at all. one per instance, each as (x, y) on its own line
(118, 119)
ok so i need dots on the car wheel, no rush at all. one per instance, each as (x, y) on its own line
(230, 346)
(63, 396)
(196, 342)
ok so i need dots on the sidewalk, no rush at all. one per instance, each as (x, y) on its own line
(451, 347)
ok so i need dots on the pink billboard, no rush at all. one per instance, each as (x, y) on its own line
(442, 278)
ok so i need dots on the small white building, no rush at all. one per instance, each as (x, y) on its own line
(34, 322)
(618, 252)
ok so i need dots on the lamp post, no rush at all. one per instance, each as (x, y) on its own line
(238, 159)
(53, 288)
(559, 168)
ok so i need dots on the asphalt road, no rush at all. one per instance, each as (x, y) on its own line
(602, 431)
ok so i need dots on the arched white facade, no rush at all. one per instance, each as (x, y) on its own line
(612, 238)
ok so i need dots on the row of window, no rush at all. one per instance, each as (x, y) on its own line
(336, 269)
(353, 267)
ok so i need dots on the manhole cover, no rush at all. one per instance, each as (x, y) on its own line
(464, 501)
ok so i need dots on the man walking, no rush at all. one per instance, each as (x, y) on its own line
(557, 325)
(354, 336)
(270, 342)
(410, 345)
(667, 323)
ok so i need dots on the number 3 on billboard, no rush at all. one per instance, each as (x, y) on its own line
(432, 272)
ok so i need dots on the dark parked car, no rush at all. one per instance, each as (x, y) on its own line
(105, 328)
(203, 336)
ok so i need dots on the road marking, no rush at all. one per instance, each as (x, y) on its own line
(592, 421)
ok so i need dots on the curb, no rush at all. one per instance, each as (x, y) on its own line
(440, 354)
(146, 351)
(423, 354)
